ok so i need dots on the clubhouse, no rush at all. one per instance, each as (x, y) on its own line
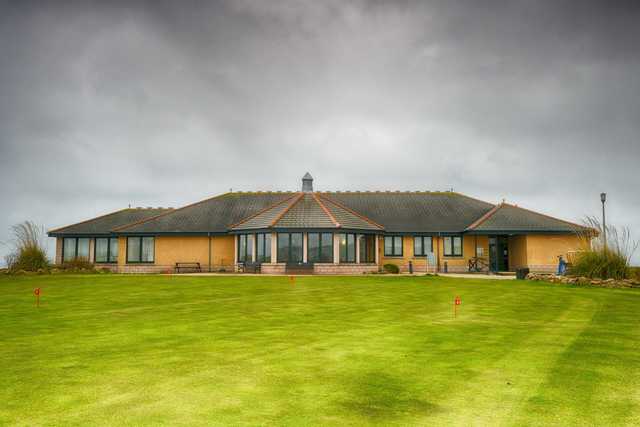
(350, 232)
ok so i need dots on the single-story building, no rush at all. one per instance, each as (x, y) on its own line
(324, 233)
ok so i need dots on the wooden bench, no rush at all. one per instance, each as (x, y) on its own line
(249, 267)
(190, 266)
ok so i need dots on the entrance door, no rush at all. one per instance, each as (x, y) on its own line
(498, 253)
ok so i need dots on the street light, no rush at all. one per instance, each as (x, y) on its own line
(603, 198)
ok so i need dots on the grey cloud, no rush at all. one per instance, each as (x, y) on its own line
(163, 103)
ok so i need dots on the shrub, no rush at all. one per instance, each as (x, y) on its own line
(601, 264)
(29, 253)
(391, 268)
(78, 265)
(604, 259)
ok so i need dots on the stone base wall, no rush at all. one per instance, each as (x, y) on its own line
(273, 268)
(584, 281)
(144, 268)
(542, 268)
(331, 268)
(455, 269)
(112, 267)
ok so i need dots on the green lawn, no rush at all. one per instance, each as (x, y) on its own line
(133, 350)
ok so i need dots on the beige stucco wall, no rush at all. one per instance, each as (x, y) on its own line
(517, 252)
(58, 259)
(172, 249)
(543, 250)
(453, 263)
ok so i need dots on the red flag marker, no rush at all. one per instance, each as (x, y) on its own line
(292, 279)
(36, 292)
(456, 303)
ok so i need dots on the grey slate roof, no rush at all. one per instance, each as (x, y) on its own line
(265, 218)
(508, 218)
(426, 212)
(347, 218)
(106, 223)
(306, 213)
(214, 215)
(307, 210)
(390, 212)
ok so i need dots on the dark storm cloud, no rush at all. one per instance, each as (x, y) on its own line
(163, 103)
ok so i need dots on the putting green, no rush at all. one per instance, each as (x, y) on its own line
(149, 350)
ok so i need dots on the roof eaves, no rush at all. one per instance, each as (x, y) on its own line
(572, 224)
(59, 229)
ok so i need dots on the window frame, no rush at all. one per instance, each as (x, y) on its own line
(320, 246)
(248, 250)
(449, 250)
(346, 259)
(422, 240)
(140, 250)
(76, 245)
(393, 253)
(264, 246)
(109, 259)
(289, 248)
(367, 240)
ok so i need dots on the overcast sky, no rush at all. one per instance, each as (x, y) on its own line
(165, 103)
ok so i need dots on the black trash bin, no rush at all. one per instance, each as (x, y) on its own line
(521, 273)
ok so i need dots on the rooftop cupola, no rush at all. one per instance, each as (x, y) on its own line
(307, 183)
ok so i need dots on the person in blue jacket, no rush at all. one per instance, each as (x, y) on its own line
(562, 266)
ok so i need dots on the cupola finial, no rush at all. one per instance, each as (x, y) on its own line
(307, 182)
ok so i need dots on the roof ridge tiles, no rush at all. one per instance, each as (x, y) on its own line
(261, 211)
(285, 210)
(484, 217)
(340, 205)
(326, 211)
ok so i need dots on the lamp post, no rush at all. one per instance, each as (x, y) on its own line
(603, 198)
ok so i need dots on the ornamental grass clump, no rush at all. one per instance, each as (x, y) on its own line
(29, 253)
(602, 259)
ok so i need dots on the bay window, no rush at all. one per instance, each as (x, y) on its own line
(347, 248)
(263, 247)
(320, 247)
(290, 247)
(245, 247)
(367, 244)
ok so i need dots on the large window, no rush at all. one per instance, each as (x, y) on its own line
(453, 246)
(140, 249)
(106, 249)
(245, 247)
(290, 247)
(422, 245)
(320, 247)
(75, 247)
(367, 244)
(347, 247)
(392, 245)
(263, 247)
